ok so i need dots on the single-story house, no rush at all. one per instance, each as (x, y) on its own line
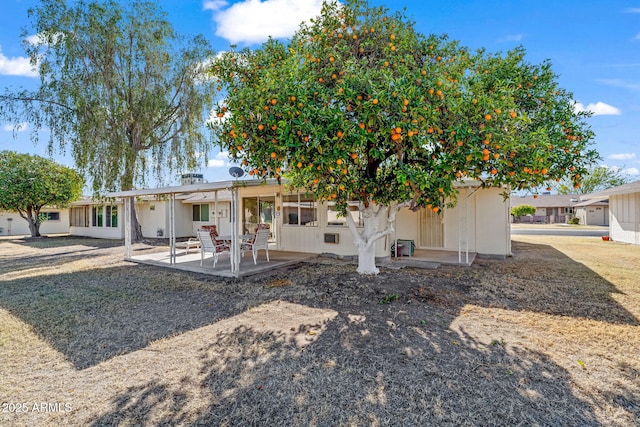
(550, 208)
(478, 224)
(592, 212)
(624, 211)
(12, 224)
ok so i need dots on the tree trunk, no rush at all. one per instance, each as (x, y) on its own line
(33, 221)
(366, 239)
(367, 259)
(127, 184)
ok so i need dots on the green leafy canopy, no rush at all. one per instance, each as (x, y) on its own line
(28, 182)
(359, 106)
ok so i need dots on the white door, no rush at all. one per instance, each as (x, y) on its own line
(431, 234)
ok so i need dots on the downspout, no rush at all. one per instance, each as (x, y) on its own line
(172, 229)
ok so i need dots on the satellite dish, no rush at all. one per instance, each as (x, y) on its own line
(236, 172)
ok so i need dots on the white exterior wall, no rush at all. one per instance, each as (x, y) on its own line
(310, 238)
(191, 227)
(492, 233)
(153, 215)
(486, 229)
(624, 218)
(19, 226)
(100, 232)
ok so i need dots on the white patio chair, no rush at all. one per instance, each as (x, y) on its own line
(261, 241)
(208, 246)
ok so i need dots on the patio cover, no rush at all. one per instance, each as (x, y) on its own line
(183, 190)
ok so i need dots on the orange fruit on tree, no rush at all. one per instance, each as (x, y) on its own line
(273, 154)
(487, 117)
(494, 171)
(274, 101)
(339, 161)
(339, 134)
(299, 165)
(375, 101)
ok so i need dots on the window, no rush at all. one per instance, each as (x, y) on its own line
(79, 217)
(299, 209)
(52, 216)
(96, 215)
(201, 213)
(112, 216)
(334, 218)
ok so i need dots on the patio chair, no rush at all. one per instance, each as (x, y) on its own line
(207, 245)
(213, 232)
(260, 241)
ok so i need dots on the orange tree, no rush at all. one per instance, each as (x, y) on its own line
(358, 106)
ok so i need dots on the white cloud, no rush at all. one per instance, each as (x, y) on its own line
(621, 83)
(598, 109)
(221, 160)
(16, 66)
(214, 5)
(623, 156)
(637, 37)
(253, 21)
(632, 171)
(20, 127)
(512, 38)
(633, 10)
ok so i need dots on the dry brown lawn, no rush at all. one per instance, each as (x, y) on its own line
(548, 337)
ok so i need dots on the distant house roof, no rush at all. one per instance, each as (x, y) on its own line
(546, 200)
(592, 202)
(632, 187)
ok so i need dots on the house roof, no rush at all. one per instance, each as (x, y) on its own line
(592, 202)
(221, 186)
(632, 187)
(205, 187)
(546, 200)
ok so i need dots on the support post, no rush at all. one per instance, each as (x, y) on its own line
(235, 244)
(128, 202)
(172, 229)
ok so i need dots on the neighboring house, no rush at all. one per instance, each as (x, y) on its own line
(624, 211)
(592, 212)
(298, 223)
(12, 224)
(550, 208)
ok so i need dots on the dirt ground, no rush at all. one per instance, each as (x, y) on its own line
(548, 337)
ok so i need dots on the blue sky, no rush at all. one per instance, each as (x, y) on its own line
(594, 46)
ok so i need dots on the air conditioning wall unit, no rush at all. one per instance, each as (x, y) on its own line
(333, 238)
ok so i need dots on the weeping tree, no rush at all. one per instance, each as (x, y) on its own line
(598, 178)
(29, 183)
(119, 87)
(358, 106)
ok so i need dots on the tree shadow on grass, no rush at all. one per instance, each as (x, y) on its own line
(92, 316)
(390, 356)
(541, 279)
(257, 378)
